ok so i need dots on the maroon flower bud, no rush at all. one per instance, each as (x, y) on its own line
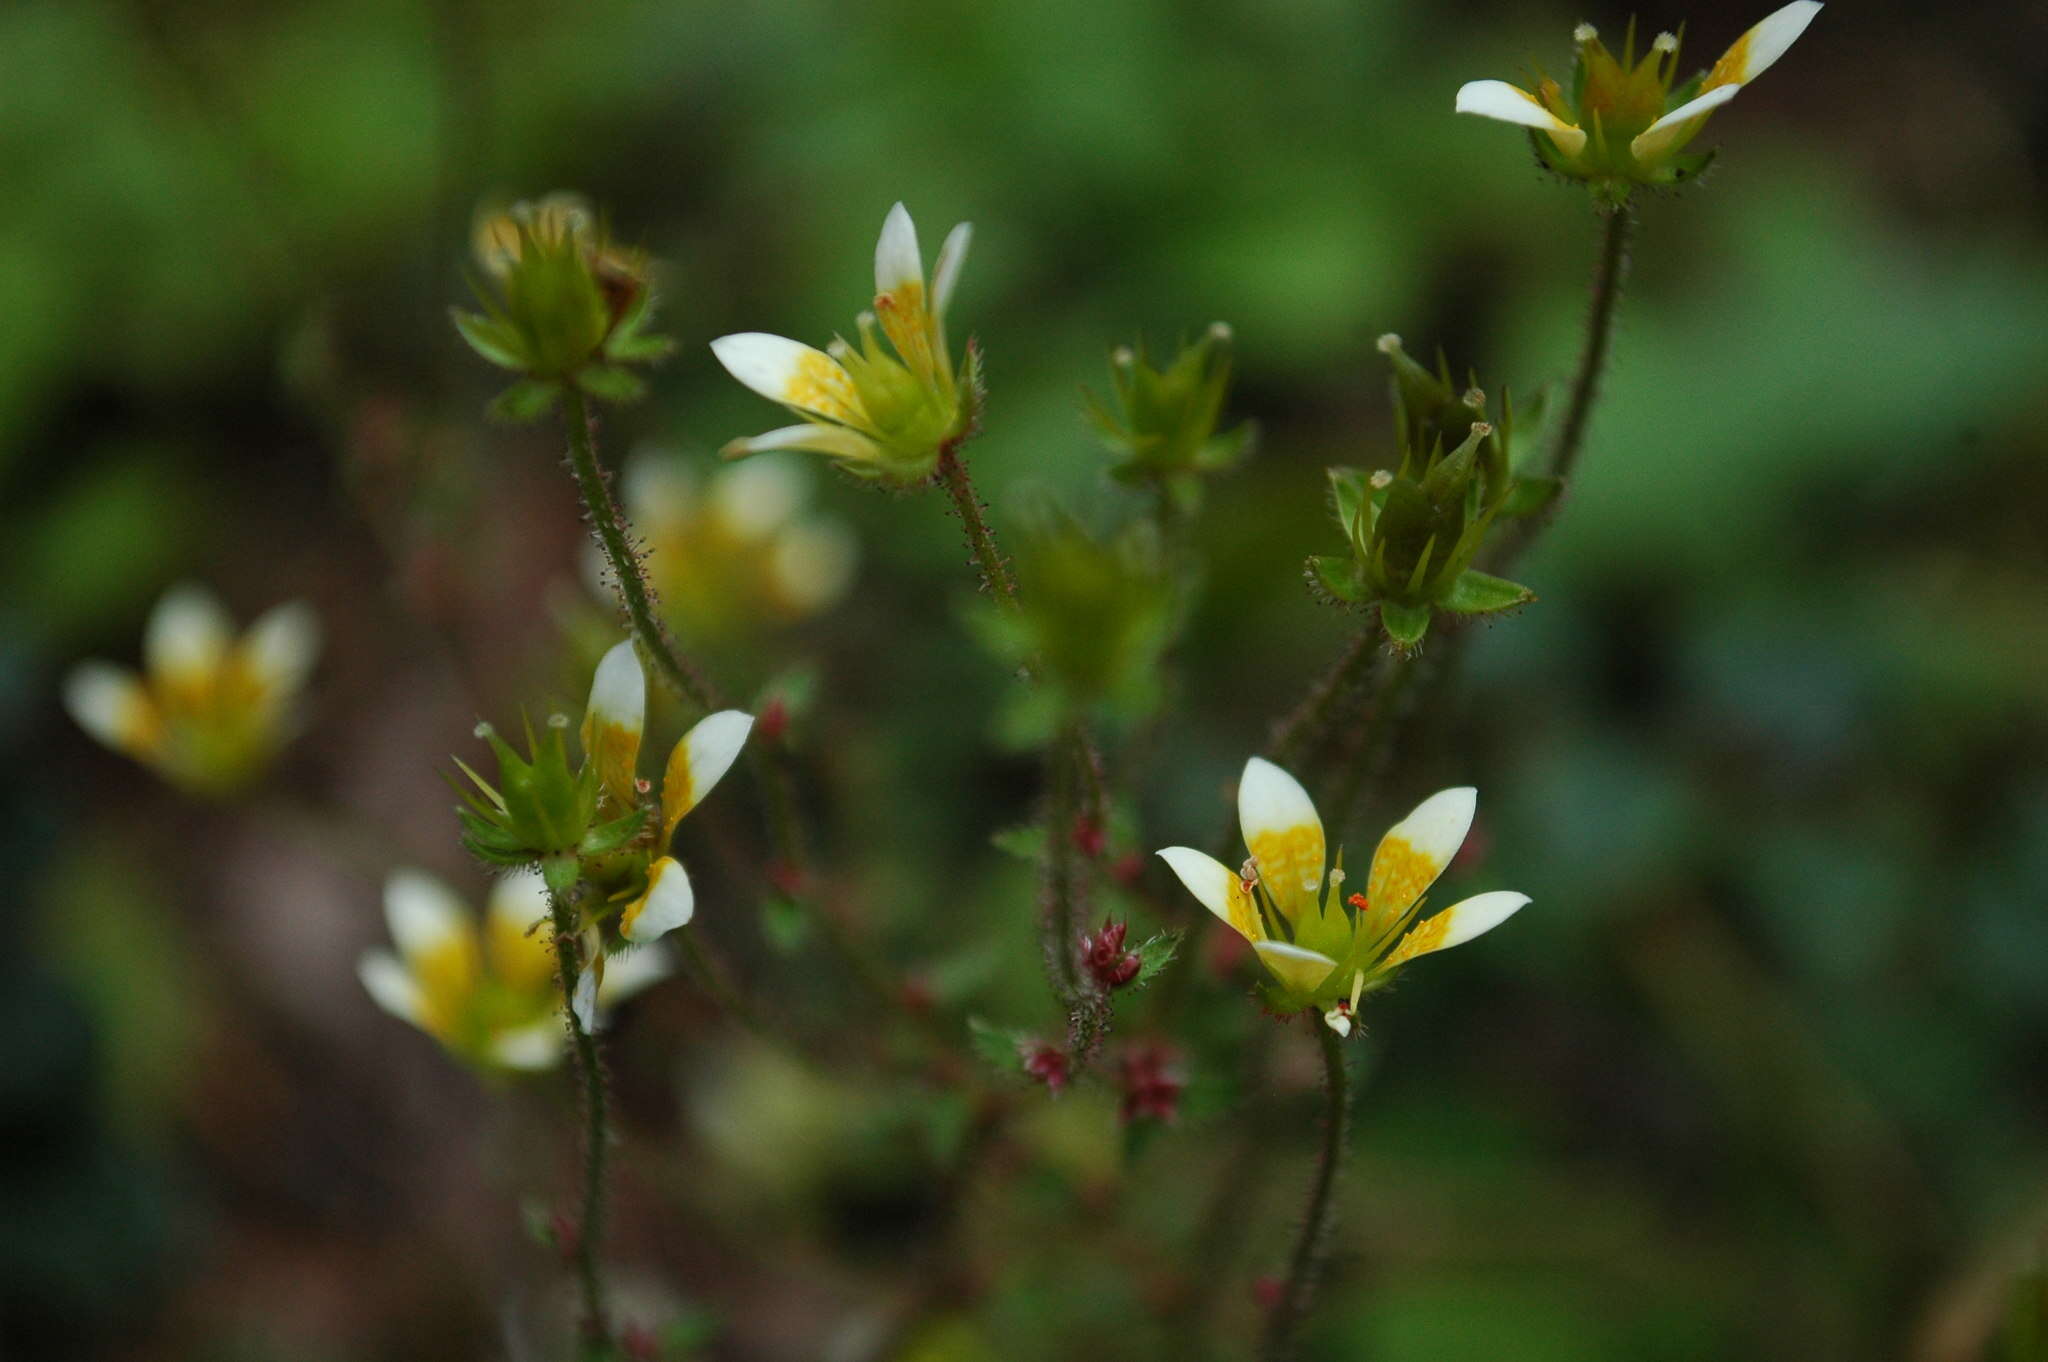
(1152, 1082)
(639, 1344)
(773, 721)
(1267, 1290)
(1127, 868)
(1108, 962)
(1049, 1065)
(1089, 838)
(786, 878)
(564, 1232)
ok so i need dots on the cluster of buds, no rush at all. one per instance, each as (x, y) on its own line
(1623, 123)
(882, 413)
(593, 826)
(486, 993)
(1414, 530)
(1100, 612)
(1293, 912)
(562, 304)
(1164, 428)
(209, 711)
(1104, 956)
(1048, 1064)
(1150, 1080)
(737, 550)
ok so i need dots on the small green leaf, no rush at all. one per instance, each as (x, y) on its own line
(525, 401)
(1154, 955)
(1349, 491)
(1338, 576)
(1405, 624)
(999, 1046)
(1228, 447)
(1529, 495)
(1476, 593)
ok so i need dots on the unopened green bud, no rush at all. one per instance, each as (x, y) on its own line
(541, 805)
(1164, 423)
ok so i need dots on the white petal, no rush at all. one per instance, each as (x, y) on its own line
(633, 972)
(1479, 915)
(108, 702)
(668, 903)
(424, 914)
(618, 690)
(897, 260)
(1456, 925)
(1652, 140)
(1338, 1021)
(584, 1001)
(1759, 49)
(1416, 850)
(1298, 967)
(189, 633)
(519, 899)
(698, 762)
(756, 498)
(812, 564)
(390, 984)
(790, 372)
(282, 645)
(535, 1046)
(946, 272)
(1512, 104)
(1284, 833)
(838, 441)
(1207, 878)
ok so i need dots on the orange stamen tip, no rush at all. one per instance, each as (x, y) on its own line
(1358, 901)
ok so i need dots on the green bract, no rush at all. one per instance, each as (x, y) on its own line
(1163, 429)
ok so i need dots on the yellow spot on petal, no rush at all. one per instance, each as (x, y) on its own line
(1291, 865)
(678, 790)
(520, 958)
(908, 325)
(1421, 939)
(1244, 913)
(446, 976)
(616, 750)
(1400, 872)
(820, 385)
(1733, 68)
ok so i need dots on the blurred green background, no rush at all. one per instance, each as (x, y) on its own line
(1760, 1075)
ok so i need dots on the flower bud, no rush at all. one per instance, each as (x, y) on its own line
(1164, 426)
(541, 806)
(1107, 962)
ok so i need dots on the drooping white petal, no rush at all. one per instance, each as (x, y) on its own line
(1284, 833)
(519, 899)
(1298, 967)
(1511, 104)
(583, 1001)
(668, 903)
(946, 271)
(1757, 50)
(189, 633)
(424, 914)
(791, 373)
(1338, 1020)
(703, 756)
(1660, 135)
(618, 690)
(633, 972)
(535, 1046)
(1218, 888)
(1457, 924)
(812, 563)
(897, 260)
(755, 499)
(389, 984)
(838, 441)
(1416, 850)
(109, 703)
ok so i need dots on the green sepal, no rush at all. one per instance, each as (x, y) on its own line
(1228, 448)
(1479, 593)
(492, 339)
(609, 383)
(1404, 624)
(609, 837)
(1338, 576)
(525, 402)
(1350, 493)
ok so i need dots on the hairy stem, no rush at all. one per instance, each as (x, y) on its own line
(1617, 226)
(988, 558)
(1386, 711)
(1304, 1266)
(614, 536)
(596, 1328)
(1307, 724)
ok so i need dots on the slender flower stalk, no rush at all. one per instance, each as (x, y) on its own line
(1305, 1264)
(1617, 226)
(595, 1324)
(951, 473)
